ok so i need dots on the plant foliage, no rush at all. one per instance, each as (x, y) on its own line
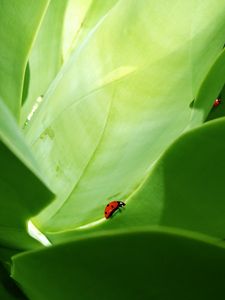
(101, 101)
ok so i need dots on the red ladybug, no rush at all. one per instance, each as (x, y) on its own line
(216, 102)
(112, 207)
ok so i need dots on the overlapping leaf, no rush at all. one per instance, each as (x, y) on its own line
(219, 111)
(142, 265)
(122, 97)
(81, 17)
(16, 38)
(184, 190)
(46, 56)
(22, 192)
(209, 90)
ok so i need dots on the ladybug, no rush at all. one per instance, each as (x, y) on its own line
(217, 102)
(112, 207)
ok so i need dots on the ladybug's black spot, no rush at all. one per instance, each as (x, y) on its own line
(112, 206)
(107, 205)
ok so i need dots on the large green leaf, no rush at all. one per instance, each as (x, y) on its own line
(46, 55)
(123, 96)
(22, 193)
(19, 22)
(66, 23)
(184, 190)
(159, 264)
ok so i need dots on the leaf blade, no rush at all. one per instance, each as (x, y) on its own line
(152, 263)
(146, 114)
(15, 45)
(46, 54)
(23, 192)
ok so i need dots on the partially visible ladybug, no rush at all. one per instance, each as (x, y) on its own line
(112, 207)
(217, 102)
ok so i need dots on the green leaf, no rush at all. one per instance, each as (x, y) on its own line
(219, 111)
(209, 90)
(19, 22)
(46, 55)
(156, 264)
(113, 109)
(22, 193)
(183, 190)
(66, 24)
(81, 17)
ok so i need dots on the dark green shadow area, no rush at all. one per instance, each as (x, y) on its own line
(26, 83)
(9, 290)
(22, 195)
(6, 254)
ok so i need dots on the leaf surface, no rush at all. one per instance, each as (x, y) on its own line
(122, 98)
(22, 190)
(139, 265)
(46, 56)
(183, 190)
(209, 90)
(81, 17)
(19, 23)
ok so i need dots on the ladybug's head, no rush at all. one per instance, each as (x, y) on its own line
(121, 204)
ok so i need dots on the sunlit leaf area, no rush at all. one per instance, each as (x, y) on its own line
(112, 149)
